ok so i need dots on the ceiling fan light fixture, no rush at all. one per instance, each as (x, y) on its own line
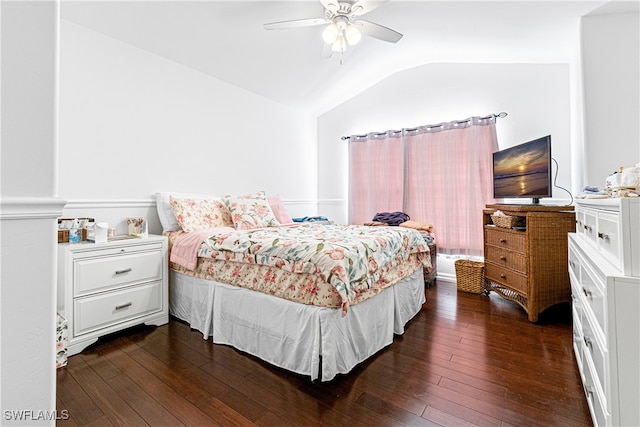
(330, 33)
(339, 45)
(353, 34)
(341, 25)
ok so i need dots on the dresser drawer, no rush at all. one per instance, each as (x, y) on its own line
(506, 277)
(590, 226)
(106, 273)
(595, 397)
(109, 308)
(579, 220)
(507, 259)
(578, 338)
(574, 261)
(608, 238)
(594, 296)
(594, 349)
(514, 241)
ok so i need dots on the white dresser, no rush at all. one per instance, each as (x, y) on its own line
(106, 287)
(604, 270)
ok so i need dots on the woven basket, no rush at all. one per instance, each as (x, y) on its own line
(470, 276)
(504, 221)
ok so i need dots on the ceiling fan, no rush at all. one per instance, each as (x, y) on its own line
(343, 24)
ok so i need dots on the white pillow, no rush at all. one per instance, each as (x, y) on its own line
(165, 213)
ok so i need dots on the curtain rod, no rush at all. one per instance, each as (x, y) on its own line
(501, 115)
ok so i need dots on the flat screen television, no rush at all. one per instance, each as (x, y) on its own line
(523, 171)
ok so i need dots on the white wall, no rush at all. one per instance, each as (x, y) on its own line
(28, 212)
(611, 75)
(133, 123)
(536, 97)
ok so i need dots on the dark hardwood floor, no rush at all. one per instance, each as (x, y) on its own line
(464, 360)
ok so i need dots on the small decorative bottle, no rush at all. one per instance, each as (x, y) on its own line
(75, 234)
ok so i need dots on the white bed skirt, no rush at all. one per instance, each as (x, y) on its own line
(290, 335)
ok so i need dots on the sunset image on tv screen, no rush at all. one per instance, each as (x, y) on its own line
(522, 170)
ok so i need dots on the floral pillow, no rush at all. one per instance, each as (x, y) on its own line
(251, 211)
(199, 214)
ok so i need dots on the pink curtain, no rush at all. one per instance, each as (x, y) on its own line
(446, 180)
(376, 175)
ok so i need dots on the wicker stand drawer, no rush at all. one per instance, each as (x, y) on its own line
(506, 277)
(507, 239)
(507, 259)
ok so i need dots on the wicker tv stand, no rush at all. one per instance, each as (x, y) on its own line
(528, 264)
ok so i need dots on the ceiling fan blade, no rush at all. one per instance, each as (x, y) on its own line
(326, 51)
(330, 5)
(378, 31)
(365, 6)
(297, 23)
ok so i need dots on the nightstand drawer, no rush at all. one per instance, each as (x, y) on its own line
(514, 241)
(99, 273)
(123, 247)
(511, 260)
(103, 310)
(509, 278)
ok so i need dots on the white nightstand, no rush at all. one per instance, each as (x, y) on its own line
(106, 287)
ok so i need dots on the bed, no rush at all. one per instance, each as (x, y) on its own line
(313, 299)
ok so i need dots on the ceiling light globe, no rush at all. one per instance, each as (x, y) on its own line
(339, 45)
(353, 34)
(330, 33)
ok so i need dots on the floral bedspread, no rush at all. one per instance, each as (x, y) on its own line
(349, 257)
(302, 288)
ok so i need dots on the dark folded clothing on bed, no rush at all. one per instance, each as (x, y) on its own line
(391, 218)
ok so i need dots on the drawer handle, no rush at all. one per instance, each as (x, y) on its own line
(587, 227)
(503, 276)
(503, 240)
(503, 258)
(588, 342)
(126, 270)
(587, 293)
(603, 236)
(121, 306)
(588, 391)
(572, 264)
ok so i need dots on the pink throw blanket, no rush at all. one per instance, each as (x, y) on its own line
(186, 246)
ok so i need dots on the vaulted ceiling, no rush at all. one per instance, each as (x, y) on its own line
(227, 40)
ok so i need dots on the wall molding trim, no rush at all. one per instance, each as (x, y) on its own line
(109, 203)
(145, 203)
(21, 208)
(332, 201)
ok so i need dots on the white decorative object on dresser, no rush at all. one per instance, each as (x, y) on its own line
(604, 269)
(106, 287)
